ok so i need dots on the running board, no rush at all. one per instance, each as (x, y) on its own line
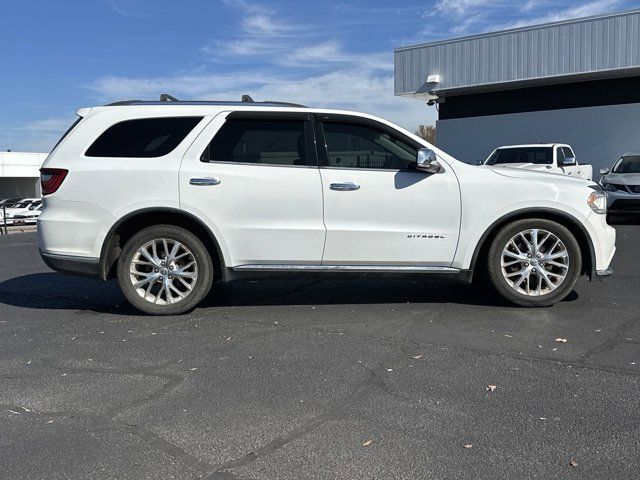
(345, 268)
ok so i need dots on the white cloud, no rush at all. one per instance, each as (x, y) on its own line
(36, 136)
(331, 53)
(475, 16)
(596, 7)
(461, 8)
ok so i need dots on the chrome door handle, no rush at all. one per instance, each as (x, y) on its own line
(344, 187)
(204, 181)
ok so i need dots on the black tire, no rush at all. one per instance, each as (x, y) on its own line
(198, 253)
(506, 290)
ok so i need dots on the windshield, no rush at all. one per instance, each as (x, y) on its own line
(536, 155)
(627, 165)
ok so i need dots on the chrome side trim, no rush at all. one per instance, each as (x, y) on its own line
(345, 268)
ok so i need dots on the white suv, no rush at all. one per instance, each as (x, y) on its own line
(170, 196)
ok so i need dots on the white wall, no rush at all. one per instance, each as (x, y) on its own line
(599, 135)
(21, 164)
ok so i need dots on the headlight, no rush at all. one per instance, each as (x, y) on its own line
(609, 187)
(598, 202)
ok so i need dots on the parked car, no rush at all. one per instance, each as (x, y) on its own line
(552, 158)
(11, 203)
(28, 217)
(622, 184)
(170, 196)
(22, 206)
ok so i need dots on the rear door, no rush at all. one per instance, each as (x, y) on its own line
(378, 209)
(253, 178)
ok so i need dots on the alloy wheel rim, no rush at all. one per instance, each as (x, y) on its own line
(534, 262)
(163, 271)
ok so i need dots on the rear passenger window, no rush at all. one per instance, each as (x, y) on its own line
(143, 138)
(259, 141)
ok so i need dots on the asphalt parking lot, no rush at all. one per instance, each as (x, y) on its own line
(356, 379)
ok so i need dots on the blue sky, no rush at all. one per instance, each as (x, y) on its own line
(60, 55)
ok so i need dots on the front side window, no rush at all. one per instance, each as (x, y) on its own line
(351, 145)
(535, 155)
(259, 141)
(627, 165)
(143, 138)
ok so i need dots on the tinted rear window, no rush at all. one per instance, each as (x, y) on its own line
(143, 138)
(536, 155)
(272, 142)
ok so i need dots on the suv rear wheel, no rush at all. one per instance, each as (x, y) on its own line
(534, 262)
(165, 270)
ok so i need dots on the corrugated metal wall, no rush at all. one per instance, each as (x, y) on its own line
(575, 47)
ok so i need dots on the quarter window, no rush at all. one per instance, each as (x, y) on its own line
(143, 138)
(259, 141)
(351, 145)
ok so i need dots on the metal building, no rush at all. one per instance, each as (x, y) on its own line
(575, 81)
(20, 174)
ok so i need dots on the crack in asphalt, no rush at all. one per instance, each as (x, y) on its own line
(373, 381)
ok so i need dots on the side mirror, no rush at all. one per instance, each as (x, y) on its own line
(427, 161)
(567, 161)
(604, 171)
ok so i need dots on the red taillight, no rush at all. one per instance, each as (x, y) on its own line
(51, 179)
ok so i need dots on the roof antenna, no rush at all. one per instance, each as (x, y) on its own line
(247, 99)
(165, 97)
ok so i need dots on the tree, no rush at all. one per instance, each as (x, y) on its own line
(427, 132)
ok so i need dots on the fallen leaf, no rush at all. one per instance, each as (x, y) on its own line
(491, 388)
(417, 356)
(561, 340)
(389, 369)
(229, 338)
(508, 336)
(192, 369)
(573, 463)
(468, 445)
(367, 443)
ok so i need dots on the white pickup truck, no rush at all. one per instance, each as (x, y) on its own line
(551, 157)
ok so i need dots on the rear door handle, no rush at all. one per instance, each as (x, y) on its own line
(344, 187)
(204, 181)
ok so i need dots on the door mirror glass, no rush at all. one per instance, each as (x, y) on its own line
(568, 161)
(427, 161)
(604, 171)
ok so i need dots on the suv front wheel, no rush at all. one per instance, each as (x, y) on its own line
(534, 262)
(165, 270)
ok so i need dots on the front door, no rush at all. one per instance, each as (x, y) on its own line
(253, 179)
(378, 209)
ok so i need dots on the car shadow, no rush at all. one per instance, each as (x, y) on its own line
(53, 291)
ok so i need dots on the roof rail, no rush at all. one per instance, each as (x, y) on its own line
(166, 99)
